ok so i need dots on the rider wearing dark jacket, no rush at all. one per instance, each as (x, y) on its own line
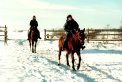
(69, 27)
(33, 26)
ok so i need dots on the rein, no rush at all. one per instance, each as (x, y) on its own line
(76, 36)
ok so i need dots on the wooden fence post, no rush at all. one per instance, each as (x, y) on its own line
(44, 34)
(5, 37)
(88, 36)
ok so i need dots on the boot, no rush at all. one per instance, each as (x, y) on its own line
(64, 45)
(82, 47)
(39, 35)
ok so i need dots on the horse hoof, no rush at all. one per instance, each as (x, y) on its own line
(74, 70)
(68, 65)
(58, 64)
(78, 67)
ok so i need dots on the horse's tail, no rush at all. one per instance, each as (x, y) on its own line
(60, 45)
(61, 40)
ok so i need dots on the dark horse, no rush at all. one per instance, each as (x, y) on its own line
(33, 37)
(74, 44)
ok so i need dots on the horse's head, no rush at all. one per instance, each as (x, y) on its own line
(82, 35)
(78, 38)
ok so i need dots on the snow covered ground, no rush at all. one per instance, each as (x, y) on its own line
(102, 62)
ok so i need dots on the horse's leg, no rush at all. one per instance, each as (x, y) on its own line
(72, 56)
(79, 57)
(35, 46)
(32, 46)
(59, 56)
(67, 58)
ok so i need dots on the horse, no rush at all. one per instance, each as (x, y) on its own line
(73, 46)
(33, 38)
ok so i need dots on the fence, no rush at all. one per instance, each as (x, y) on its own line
(4, 31)
(53, 34)
(91, 34)
(104, 35)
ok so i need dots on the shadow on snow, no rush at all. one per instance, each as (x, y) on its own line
(66, 68)
(97, 51)
(105, 73)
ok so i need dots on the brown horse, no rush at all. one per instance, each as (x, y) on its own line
(33, 37)
(74, 44)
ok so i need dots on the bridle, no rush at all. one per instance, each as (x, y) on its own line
(81, 41)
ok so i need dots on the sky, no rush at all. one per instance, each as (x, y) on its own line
(51, 14)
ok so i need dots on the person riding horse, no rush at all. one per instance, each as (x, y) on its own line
(70, 27)
(33, 26)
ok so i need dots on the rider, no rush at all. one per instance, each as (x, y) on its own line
(69, 27)
(33, 26)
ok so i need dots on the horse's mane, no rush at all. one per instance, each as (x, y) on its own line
(74, 41)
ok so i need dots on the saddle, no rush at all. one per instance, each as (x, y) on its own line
(32, 30)
(36, 31)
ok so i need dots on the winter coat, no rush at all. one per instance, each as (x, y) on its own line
(71, 25)
(33, 24)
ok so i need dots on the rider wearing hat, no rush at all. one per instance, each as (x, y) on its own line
(33, 26)
(69, 27)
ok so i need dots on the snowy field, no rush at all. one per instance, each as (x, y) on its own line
(102, 62)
